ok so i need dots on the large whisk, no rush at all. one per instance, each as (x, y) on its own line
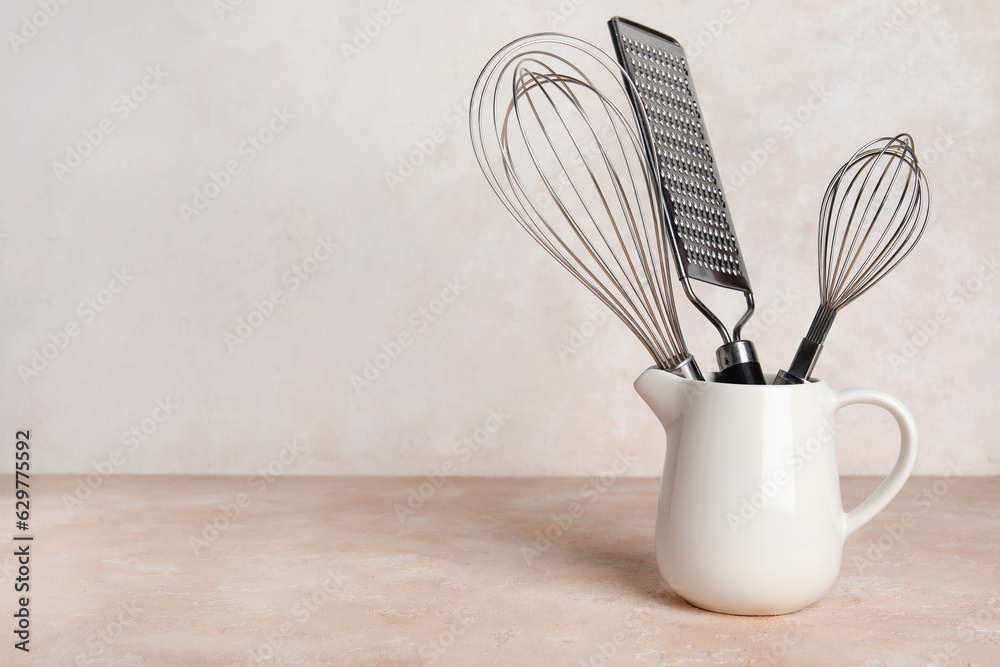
(874, 212)
(552, 139)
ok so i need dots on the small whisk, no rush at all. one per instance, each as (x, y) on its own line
(874, 212)
(551, 137)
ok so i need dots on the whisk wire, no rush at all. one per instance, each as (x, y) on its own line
(872, 215)
(637, 325)
(899, 241)
(564, 208)
(596, 209)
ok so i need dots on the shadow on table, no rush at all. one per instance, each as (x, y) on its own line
(616, 553)
(635, 569)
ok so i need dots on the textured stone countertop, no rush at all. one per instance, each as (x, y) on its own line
(329, 571)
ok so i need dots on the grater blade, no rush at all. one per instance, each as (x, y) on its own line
(698, 218)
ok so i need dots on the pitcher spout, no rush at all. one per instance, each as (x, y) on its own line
(666, 394)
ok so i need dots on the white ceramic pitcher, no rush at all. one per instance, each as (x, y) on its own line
(750, 519)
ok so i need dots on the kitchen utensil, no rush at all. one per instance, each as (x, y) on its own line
(750, 519)
(701, 231)
(551, 137)
(873, 213)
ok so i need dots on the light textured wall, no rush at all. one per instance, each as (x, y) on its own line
(393, 235)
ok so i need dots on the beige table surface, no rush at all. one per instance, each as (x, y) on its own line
(327, 571)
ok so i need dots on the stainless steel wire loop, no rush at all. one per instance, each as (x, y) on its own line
(556, 137)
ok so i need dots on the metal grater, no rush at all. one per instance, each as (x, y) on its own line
(707, 248)
(697, 216)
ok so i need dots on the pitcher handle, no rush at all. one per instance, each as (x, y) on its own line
(892, 484)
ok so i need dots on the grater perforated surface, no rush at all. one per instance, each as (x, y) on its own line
(697, 212)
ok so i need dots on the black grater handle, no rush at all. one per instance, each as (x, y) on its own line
(738, 364)
(748, 373)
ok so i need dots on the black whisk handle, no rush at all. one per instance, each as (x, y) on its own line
(805, 357)
(802, 364)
